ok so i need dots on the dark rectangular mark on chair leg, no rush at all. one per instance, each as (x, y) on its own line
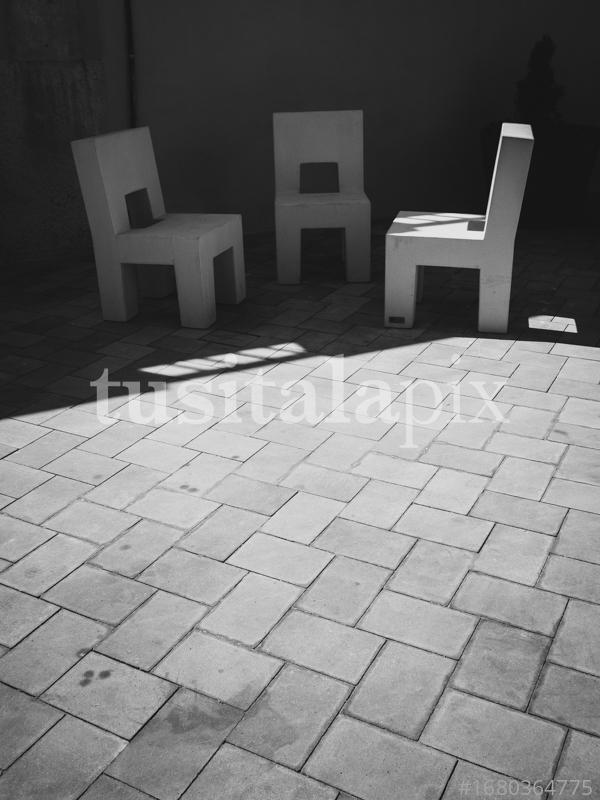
(397, 320)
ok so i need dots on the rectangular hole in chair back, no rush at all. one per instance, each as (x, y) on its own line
(139, 209)
(319, 177)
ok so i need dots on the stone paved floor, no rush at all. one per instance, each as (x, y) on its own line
(266, 609)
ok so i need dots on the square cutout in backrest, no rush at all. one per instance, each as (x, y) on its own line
(139, 209)
(319, 177)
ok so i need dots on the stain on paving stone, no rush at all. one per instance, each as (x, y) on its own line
(88, 676)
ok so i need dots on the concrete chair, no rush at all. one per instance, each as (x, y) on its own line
(116, 166)
(321, 137)
(478, 242)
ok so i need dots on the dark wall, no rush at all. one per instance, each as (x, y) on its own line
(63, 75)
(428, 76)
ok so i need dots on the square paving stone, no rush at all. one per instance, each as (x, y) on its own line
(581, 757)
(379, 504)
(47, 499)
(125, 487)
(200, 475)
(431, 571)
(569, 697)
(226, 444)
(271, 462)
(444, 527)
(157, 455)
(374, 764)
(514, 553)
(264, 498)
(495, 737)
(469, 782)
(189, 575)
(466, 432)
(186, 732)
(99, 594)
(401, 688)
(223, 532)
(578, 537)
(415, 622)
(17, 538)
(40, 659)
(501, 663)
(303, 517)
(62, 763)
(115, 439)
(395, 470)
(172, 508)
(41, 569)
(138, 548)
(364, 542)
(448, 455)
(577, 643)
(249, 612)
(225, 671)
(528, 422)
(278, 558)
(295, 435)
(106, 788)
(22, 721)
(580, 464)
(16, 480)
(109, 694)
(88, 467)
(452, 491)
(323, 645)
(324, 482)
(344, 590)
(522, 478)
(16, 433)
(571, 577)
(581, 412)
(20, 614)
(340, 452)
(289, 718)
(91, 521)
(522, 513)
(582, 496)
(234, 774)
(505, 601)
(151, 631)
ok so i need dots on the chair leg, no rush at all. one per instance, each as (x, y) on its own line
(230, 272)
(288, 236)
(400, 287)
(195, 278)
(358, 250)
(494, 300)
(117, 285)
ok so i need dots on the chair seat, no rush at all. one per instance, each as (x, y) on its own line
(423, 225)
(153, 245)
(321, 199)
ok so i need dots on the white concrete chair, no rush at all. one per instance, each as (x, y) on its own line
(479, 242)
(111, 167)
(311, 138)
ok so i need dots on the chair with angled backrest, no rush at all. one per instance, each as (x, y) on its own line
(415, 240)
(117, 174)
(325, 138)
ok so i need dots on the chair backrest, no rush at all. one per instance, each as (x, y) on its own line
(508, 183)
(110, 167)
(318, 136)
